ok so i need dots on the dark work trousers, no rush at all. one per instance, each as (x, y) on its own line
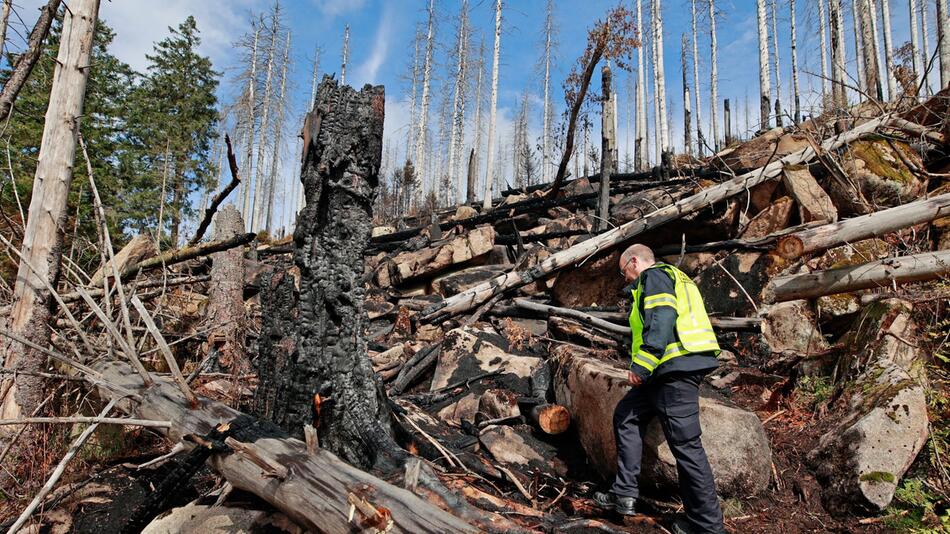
(674, 398)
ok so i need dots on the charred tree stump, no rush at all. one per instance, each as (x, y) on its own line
(341, 156)
(226, 297)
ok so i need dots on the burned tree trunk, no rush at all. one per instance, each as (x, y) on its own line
(342, 152)
(226, 297)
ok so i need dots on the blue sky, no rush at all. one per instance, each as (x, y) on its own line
(381, 47)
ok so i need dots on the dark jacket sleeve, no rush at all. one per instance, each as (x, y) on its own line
(658, 309)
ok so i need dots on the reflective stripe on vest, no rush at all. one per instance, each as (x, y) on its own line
(694, 332)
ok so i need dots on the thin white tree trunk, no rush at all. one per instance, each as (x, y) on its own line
(876, 49)
(778, 69)
(278, 130)
(411, 134)
(490, 158)
(260, 183)
(714, 76)
(458, 100)
(696, 94)
(42, 247)
(661, 76)
(657, 138)
(765, 86)
(823, 49)
(858, 46)
(943, 38)
(313, 78)
(796, 94)
(420, 164)
(640, 142)
(925, 51)
(546, 112)
(246, 188)
(4, 22)
(346, 54)
(888, 50)
(915, 40)
(687, 113)
(477, 147)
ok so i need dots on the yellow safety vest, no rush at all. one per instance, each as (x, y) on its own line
(694, 332)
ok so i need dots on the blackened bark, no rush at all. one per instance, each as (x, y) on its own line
(341, 157)
(276, 346)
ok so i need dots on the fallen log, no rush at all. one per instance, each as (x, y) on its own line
(408, 266)
(584, 318)
(884, 273)
(318, 486)
(186, 253)
(477, 295)
(875, 224)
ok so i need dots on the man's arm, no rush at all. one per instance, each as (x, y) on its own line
(658, 309)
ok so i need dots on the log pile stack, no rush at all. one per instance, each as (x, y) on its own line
(495, 341)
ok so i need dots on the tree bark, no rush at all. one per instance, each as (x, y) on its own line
(26, 62)
(492, 112)
(884, 273)
(226, 297)
(714, 75)
(698, 107)
(607, 145)
(872, 71)
(4, 23)
(260, 180)
(796, 94)
(246, 191)
(823, 50)
(914, 40)
(943, 38)
(477, 295)
(888, 50)
(765, 88)
(838, 90)
(41, 250)
(821, 238)
(342, 153)
(640, 143)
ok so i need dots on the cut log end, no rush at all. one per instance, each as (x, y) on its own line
(553, 419)
(790, 247)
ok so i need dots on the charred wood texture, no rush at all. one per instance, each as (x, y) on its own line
(277, 344)
(341, 157)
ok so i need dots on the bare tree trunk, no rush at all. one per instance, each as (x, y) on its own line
(420, 163)
(41, 250)
(178, 199)
(823, 50)
(414, 74)
(260, 181)
(727, 120)
(925, 51)
(765, 86)
(714, 74)
(888, 50)
(640, 143)
(838, 89)
(4, 21)
(608, 136)
(871, 72)
(477, 146)
(546, 112)
(943, 39)
(858, 46)
(490, 158)
(796, 94)
(915, 41)
(458, 102)
(697, 98)
(779, 114)
(24, 65)
(246, 190)
(660, 76)
(346, 53)
(687, 118)
(278, 131)
(226, 297)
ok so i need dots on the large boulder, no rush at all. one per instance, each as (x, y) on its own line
(790, 329)
(734, 438)
(882, 415)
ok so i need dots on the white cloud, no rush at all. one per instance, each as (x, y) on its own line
(369, 69)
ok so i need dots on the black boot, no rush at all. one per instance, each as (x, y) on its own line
(610, 501)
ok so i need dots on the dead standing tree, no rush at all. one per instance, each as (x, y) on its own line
(342, 153)
(614, 38)
(43, 237)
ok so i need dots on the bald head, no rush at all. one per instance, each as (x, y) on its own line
(636, 259)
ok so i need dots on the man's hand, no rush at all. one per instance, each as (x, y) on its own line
(634, 378)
